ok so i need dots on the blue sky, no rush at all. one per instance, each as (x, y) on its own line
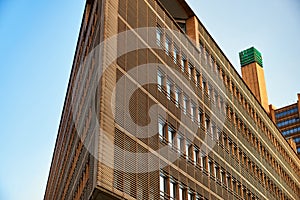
(37, 45)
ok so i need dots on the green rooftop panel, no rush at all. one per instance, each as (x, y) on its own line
(249, 56)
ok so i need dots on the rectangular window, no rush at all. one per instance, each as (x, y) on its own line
(185, 103)
(169, 88)
(162, 185)
(229, 181)
(160, 80)
(187, 148)
(172, 190)
(177, 96)
(223, 176)
(171, 136)
(179, 143)
(175, 54)
(196, 155)
(217, 171)
(206, 57)
(200, 116)
(193, 111)
(191, 195)
(190, 68)
(204, 161)
(181, 193)
(199, 197)
(211, 62)
(210, 91)
(204, 86)
(207, 124)
(197, 78)
(211, 167)
(159, 36)
(183, 62)
(168, 45)
(161, 125)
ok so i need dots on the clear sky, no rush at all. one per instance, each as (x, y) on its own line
(37, 45)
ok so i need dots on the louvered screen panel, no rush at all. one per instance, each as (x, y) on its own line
(132, 13)
(219, 189)
(173, 172)
(212, 185)
(191, 169)
(120, 101)
(182, 178)
(119, 160)
(153, 185)
(142, 160)
(122, 8)
(130, 166)
(121, 60)
(142, 14)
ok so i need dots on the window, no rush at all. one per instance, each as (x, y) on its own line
(171, 136)
(161, 131)
(287, 122)
(177, 96)
(213, 130)
(206, 57)
(168, 45)
(183, 62)
(223, 176)
(211, 167)
(229, 181)
(181, 193)
(193, 111)
(190, 68)
(187, 148)
(290, 131)
(234, 185)
(199, 197)
(160, 80)
(286, 112)
(207, 123)
(196, 155)
(200, 117)
(185, 103)
(175, 54)
(172, 190)
(197, 78)
(217, 171)
(204, 86)
(179, 142)
(191, 195)
(169, 88)
(211, 62)
(162, 185)
(210, 91)
(159, 36)
(204, 161)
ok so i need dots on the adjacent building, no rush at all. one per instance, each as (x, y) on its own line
(155, 110)
(287, 119)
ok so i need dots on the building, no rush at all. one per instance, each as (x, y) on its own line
(288, 122)
(253, 74)
(155, 110)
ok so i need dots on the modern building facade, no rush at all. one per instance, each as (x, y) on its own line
(287, 119)
(155, 110)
